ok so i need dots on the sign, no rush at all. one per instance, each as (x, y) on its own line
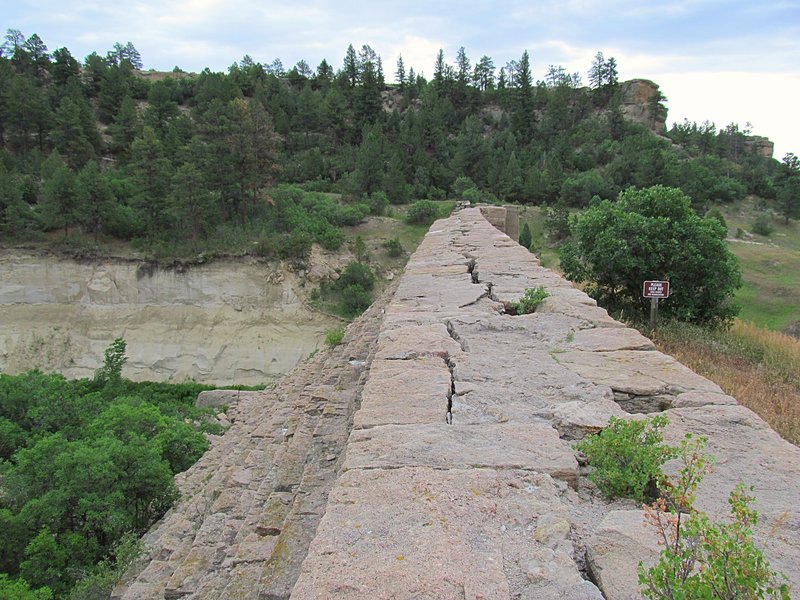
(656, 289)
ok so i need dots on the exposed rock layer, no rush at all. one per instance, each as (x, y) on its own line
(227, 322)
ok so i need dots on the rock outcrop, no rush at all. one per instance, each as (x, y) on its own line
(228, 322)
(641, 103)
(456, 476)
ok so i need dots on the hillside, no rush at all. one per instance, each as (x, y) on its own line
(176, 164)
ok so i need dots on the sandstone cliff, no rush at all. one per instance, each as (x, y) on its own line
(229, 322)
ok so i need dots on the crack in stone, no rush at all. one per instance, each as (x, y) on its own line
(451, 365)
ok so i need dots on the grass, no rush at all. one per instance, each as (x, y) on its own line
(547, 252)
(770, 267)
(759, 367)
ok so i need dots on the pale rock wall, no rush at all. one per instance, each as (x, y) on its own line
(231, 321)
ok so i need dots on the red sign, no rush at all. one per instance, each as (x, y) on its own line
(656, 289)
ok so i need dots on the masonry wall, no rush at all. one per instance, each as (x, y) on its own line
(450, 469)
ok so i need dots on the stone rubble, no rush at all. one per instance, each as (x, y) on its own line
(456, 476)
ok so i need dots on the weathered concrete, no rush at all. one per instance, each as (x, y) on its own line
(456, 477)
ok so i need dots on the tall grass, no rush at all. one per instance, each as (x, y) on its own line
(759, 367)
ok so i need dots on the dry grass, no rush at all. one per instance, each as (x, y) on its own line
(760, 368)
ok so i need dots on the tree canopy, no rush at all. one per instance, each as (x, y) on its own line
(653, 234)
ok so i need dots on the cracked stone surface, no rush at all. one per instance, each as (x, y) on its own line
(455, 476)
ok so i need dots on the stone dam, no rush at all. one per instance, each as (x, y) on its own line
(430, 455)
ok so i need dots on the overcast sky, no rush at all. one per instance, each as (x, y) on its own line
(719, 60)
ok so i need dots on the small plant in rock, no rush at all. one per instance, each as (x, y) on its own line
(530, 300)
(333, 337)
(704, 558)
(627, 456)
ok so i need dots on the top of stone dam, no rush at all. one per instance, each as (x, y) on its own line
(429, 456)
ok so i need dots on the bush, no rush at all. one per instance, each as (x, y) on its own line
(462, 184)
(530, 300)
(333, 337)
(556, 221)
(472, 195)
(762, 226)
(422, 211)
(654, 234)
(377, 202)
(393, 247)
(716, 213)
(525, 237)
(355, 300)
(354, 286)
(356, 273)
(627, 456)
(703, 558)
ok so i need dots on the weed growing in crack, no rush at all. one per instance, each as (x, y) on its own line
(530, 300)
(627, 456)
(702, 558)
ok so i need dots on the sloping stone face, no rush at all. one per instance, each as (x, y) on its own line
(456, 477)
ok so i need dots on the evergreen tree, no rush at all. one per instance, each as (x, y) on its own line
(59, 196)
(368, 176)
(69, 135)
(149, 170)
(95, 201)
(350, 68)
(522, 115)
(400, 73)
(126, 126)
(525, 237)
(483, 76)
(789, 190)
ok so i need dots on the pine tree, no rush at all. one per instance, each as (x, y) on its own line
(59, 196)
(350, 68)
(400, 73)
(525, 237)
(95, 201)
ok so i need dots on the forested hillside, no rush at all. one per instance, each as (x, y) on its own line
(179, 163)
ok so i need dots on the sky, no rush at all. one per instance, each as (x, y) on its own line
(725, 61)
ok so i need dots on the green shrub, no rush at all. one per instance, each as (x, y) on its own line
(653, 233)
(472, 195)
(331, 238)
(762, 226)
(422, 211)
(525, 237)
(556, 221)
(530, 300)
(296, 245)
(716, 213)
(462, 184)
(393, 247)
(333, 337)
(354, 286)
(354, 300)
(702, 558)
(356, 273)
(627, 456)
(377, 202)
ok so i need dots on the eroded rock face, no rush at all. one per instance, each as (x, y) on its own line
(229, 322)
(638, 104)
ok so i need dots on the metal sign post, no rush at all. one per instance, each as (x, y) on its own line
(655, 290)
